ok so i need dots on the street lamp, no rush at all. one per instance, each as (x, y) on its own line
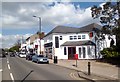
(39, 30)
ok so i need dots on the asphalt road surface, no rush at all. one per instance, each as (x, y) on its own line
(15, 68)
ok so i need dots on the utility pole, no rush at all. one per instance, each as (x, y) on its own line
(39, 30)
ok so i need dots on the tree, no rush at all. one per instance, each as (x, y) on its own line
(14, 48)
(109, 16)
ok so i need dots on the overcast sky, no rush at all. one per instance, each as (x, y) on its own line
(17, 18)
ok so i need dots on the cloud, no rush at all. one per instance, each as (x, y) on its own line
(7, 41)
(19, 15)
(52, 14)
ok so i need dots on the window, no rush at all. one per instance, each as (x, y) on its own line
(89, 51)
(65, 51)
(83, 36)
(60, 37)
(56, 42)
(79, 36)
(75, 37)
(71, 37)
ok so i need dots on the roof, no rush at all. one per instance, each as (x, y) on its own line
(78, 43)
(66, 29)
(90, 27)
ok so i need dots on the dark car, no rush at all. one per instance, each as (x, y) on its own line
(29, 56)
(12, 54)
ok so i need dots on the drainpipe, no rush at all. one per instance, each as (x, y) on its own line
(95, 48)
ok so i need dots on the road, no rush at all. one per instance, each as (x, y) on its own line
(15, 68)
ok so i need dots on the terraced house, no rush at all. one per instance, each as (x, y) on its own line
(64, 42)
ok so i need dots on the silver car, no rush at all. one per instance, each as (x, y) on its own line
(40, 59)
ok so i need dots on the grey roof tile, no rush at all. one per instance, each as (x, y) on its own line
(66, 29)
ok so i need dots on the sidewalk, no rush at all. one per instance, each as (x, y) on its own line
(99, 71)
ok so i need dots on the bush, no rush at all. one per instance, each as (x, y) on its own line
(109, 52)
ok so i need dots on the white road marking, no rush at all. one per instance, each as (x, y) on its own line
(1, 70)
(7, 61)
(74, 77)
(8, 66)
(11, 75)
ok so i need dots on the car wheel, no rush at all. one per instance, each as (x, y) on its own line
(32, 60)
(48, 62)
(37, 62)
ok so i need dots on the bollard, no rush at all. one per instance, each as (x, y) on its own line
(76, 63)
(89, 68)
(55, 60)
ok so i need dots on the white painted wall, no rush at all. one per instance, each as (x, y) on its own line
(59, 52)
(37, 42)
(65, 37)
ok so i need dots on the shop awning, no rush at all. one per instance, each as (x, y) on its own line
(78, 43)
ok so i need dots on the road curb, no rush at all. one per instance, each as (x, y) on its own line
(75, 70)
(90, 79)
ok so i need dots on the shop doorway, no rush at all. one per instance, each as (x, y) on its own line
(71, 52)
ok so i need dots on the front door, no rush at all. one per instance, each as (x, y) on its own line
(82, 52)
(71, 52)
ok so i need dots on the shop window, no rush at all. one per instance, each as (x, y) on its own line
(89, 51)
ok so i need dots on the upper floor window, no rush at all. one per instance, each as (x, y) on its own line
(56, 42)
(83, 37)
(60, 37)
(71, 37)
(75, 37)
(79, 36)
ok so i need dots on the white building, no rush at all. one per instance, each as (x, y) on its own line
(38, 46)
(33, 43)
(64, 42)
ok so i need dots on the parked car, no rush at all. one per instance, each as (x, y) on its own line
(40, 59)
(29, 56)
(12, 54)
(2, 53)
(22, 55)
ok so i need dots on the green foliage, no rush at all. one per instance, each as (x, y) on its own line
(110, 52)
(14, 48)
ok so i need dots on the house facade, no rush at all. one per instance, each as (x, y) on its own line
(34, 44)
(64, 42)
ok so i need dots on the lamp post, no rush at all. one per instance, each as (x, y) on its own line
(39, 30)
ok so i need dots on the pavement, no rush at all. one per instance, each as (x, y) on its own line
(98, 70)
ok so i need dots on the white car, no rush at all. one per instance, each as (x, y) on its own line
(22, 55)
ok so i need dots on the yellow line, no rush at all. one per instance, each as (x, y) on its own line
(71, 75)
(74, 77)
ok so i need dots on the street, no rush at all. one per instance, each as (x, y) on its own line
(15, 68)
